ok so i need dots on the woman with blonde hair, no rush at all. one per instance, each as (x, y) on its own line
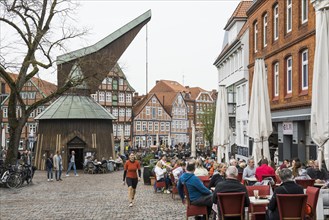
(161, 175)
(199, 169)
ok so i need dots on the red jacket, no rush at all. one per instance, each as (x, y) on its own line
(263, 169)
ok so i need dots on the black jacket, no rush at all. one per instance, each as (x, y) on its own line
(289, 187)
(215, 179)
(230, 185)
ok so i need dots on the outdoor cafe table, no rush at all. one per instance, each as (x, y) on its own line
(249, 180)
(258, 203)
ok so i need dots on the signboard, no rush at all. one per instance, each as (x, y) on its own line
(287, 128)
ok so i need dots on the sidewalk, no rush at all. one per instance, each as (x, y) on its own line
(87, 196)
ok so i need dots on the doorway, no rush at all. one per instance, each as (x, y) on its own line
(77, 145)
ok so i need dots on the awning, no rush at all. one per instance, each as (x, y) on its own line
(300, 114)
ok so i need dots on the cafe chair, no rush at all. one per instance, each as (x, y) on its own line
(305, 183)
(174, 189)
(159, 185)
(240, 177)
(193, 210)
(91, 168)
(103, 168)
(312, 199)
(231, 204)
(205, 180)
(291, 206)
(264, 176)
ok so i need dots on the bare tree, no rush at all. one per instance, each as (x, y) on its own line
(37, 31)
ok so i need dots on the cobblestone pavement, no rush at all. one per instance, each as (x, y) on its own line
(87, 196)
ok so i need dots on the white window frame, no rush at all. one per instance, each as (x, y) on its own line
(144, 126)
(238, 102)
(120, 82)
(122, 112)
(154, 100)
(304, 14)
(255, 36)
(128, 112)
(162, 126)
(156, 126)
(33, 127)
(276, 79)
(276, 22)
(101, 96)
(147, 110)
(289, 75)
(289, 15)
(115, 112)
(121, 97)
(127, 130)
(265, 30)
(159, 111)
(5, 112)
(150, 126)
(128, 98)
(167, 126)
(138, 126)
(244, 94)
(304, 75)
(108, 96)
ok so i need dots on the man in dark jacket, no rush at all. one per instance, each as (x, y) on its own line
(199, 194)
(288, 186)
(231, 184)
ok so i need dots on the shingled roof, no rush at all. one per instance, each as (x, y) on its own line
(240, 12)
(195, 91)
(168, 86)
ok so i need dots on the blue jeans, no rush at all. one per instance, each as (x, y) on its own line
(49, 173)
(74, 168)
(58, 174)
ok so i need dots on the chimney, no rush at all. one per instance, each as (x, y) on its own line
(187, 87)
(135, 94)
(156, 82)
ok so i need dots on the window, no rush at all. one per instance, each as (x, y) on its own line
(94, 96)
(122, 112)
(276, 79)
(144, 126)
(138, 125)
(39, 110)
(121, 97)
(115, 112)
(305, 69)
(265, 30)
(160, 111)
(255, 36)
(162, 126)
(147, 110)
(33, 127)
(31, 95)
(244, 96)
(239, 96)
(101, 96)
(154, 112)
(115, 84)
(167, 126)
(127, 130)
(289, 75)
(150, 126)
(154, 100)
(104, 81)
(119, 129)
(289, 15)
(120, 82)
(128, 112)
(276, 22)
(32, 115)
(109, 80)
(128, 98)
(156, 126)
(304, 11)
(5, 112)
(108, 96)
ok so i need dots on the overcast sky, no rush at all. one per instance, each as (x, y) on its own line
(184, 38)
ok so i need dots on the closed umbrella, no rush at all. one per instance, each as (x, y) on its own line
(3, 138)
(122, 143)
(320, 92)
(193, 150)
(260, 122)
(169, 140)
(157, 140)
(221, 128)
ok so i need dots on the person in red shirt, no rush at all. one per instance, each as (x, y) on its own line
(130, 176)
(264, 169)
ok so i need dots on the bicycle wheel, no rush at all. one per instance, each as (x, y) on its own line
(14, 180)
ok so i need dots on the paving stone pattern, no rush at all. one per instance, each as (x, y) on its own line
(87, 196)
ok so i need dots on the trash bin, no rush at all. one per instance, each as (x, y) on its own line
(146, 175)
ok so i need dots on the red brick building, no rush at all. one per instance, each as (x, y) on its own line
(283, 33)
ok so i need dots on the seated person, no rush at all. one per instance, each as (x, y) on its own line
(288, 186)
(178, 170)
(161, 175)
(250, 170)
(199, 169)
(264, 169)
(219, 175)
(103, 160)
(199, 194)
(230, 184)
(314, 172)
(118, 162)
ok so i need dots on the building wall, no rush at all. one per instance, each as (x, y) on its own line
(179, 121)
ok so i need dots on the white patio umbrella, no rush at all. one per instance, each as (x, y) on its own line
(122, 143)
(260, 122)
(221, 128)
(193, 150)
(169, 140)
(3, 138)
(157, 140)
(320, 91)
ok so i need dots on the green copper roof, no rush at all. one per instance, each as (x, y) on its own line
(75, 107)
(107, 40)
